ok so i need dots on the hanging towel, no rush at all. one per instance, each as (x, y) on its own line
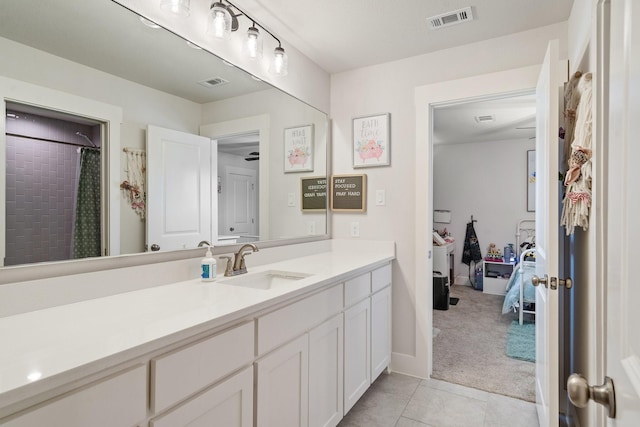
(471, 251)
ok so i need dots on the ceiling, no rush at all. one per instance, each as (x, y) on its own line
(342, 35)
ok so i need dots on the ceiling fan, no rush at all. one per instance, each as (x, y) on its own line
(254, 155)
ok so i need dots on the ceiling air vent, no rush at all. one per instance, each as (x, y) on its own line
(216, 81)
(450, 18)
(485, 119)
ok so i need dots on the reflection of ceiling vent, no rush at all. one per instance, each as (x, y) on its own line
(216, 81)
(485, 119)
(450, 18)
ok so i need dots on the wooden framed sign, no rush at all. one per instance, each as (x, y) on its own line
(314, 193)
(349, 193)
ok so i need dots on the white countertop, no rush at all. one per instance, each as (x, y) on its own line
(40, 349)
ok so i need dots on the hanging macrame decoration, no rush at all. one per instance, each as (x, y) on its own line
(133, 189)
(577, 199)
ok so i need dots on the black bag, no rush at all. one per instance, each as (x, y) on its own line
(471, 251)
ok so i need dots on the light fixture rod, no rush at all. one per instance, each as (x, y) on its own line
(255, 23)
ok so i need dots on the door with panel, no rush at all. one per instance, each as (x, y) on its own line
(325, 373)
(357, 352)
(282, 393)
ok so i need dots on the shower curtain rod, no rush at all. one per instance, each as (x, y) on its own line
(50, 140)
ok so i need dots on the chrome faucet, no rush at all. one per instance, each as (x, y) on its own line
(238, 266)
(203, 243)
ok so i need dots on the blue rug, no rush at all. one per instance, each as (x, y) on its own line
(521, 341)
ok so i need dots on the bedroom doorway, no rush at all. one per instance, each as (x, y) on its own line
(480, 174)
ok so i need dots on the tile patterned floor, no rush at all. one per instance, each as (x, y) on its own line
(401, 401)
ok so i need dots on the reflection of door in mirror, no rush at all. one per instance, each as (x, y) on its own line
(180, 167)
(238, 166)
(53, 186)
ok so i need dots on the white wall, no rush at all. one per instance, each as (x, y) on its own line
(390, 88)
(486, 180)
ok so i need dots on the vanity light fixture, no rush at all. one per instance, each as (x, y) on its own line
(280, 64)
(253, 43)
(177, 7)
(223, 20)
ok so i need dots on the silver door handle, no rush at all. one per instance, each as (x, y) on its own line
(580, 392)
(536, 281)
(554, 281)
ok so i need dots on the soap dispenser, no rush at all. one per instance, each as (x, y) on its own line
(208, 266)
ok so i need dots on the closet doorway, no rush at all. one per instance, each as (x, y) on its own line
(53, 186)
(480, 173)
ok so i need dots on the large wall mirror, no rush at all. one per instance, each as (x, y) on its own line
(102, 56)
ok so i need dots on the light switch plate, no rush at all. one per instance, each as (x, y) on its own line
(381, 198)
(355, 229)
(291, 201)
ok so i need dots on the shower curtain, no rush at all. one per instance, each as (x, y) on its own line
(86, 232)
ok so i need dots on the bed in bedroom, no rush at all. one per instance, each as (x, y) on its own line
(521, 295)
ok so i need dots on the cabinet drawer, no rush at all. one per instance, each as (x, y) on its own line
(228, 404)
(380, 278)
(282, 325)
(357, 289)
(188, 370)
(117, 401)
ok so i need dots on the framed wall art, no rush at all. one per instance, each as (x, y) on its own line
(371, 141)
(298, 149)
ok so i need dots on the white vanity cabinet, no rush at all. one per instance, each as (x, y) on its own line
(120, 400)
(367, 332)
(357, 359)
(228, 404)
(326, 370)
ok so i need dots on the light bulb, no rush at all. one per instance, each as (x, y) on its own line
(219, 21)
(177, 7)
(253, 44)
(280, 62)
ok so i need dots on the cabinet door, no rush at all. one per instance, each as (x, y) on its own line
(357, 374)
(228, 404)
(325, 373)
(283, 386)
(119, 401)
(380, 331)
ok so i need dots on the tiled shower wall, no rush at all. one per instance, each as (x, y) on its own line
(41, 188)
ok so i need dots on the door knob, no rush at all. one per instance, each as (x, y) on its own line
(580, 392)
(536, 281)
(554, 281)
(231, 229)
(155, 247)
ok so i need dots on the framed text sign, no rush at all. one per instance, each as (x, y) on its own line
(298, 149)
(314, 193)
(371, 141)
(349, 193)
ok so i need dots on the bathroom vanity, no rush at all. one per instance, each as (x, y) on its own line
(297, 350)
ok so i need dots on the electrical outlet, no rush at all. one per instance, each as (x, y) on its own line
(381, 198)
(355, 229)
(311, 228)
(291, 201)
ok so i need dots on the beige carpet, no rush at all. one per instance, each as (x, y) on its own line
(470, 341)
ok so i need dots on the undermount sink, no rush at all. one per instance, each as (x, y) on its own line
(264, 280)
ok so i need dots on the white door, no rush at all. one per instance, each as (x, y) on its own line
(178, 189)
(623, 228)
(282, 391)
(547, 223)
(240, 200)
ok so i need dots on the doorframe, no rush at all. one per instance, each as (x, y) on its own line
(110, 115)
(260, 124)
(514, 81)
